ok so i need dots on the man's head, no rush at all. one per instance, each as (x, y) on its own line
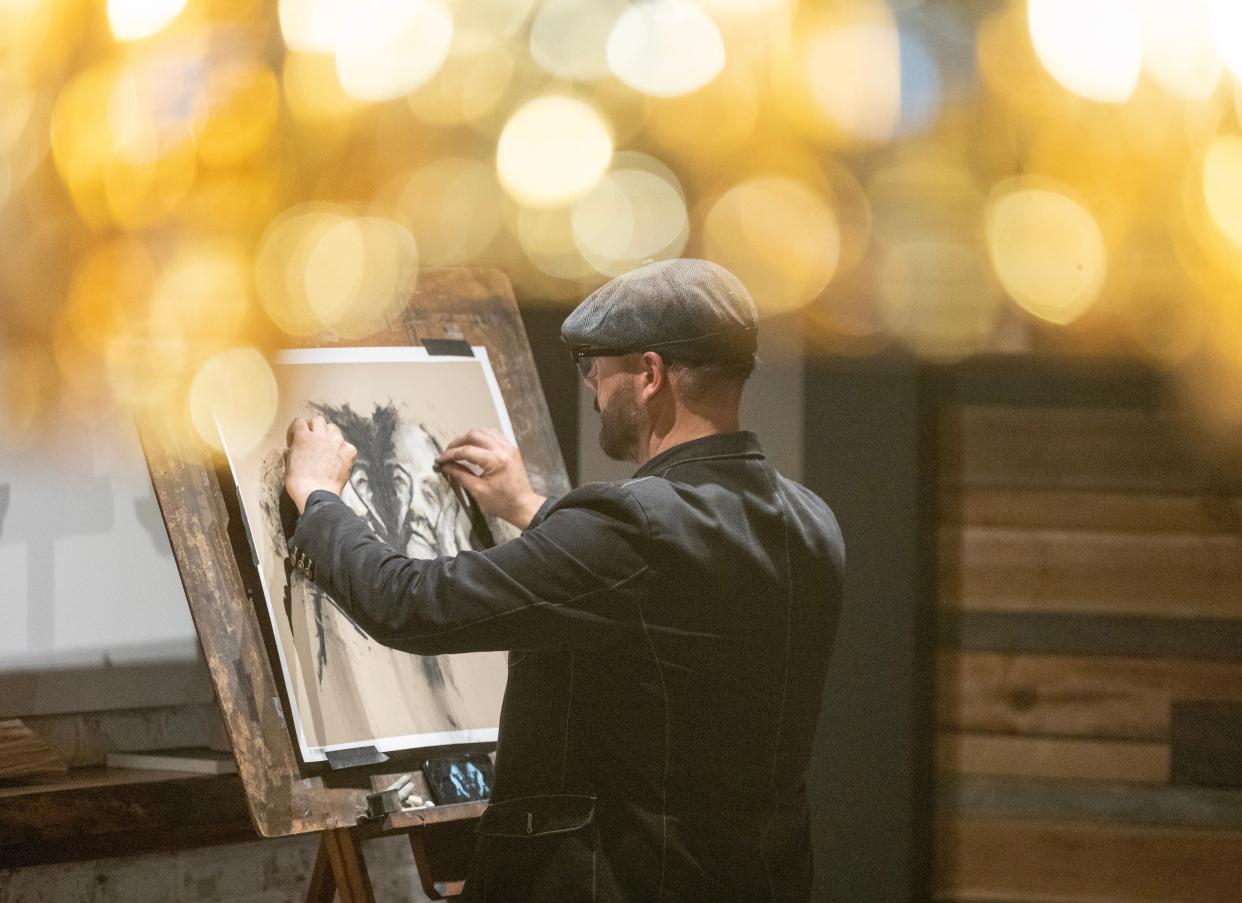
(666, 348)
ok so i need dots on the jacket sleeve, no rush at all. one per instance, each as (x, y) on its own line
(570, 581)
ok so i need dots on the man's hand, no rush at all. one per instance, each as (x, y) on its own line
(497, 478)
(318, 458)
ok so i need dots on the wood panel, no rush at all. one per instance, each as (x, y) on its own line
(986, 858)
(961, 753)
(24, 753)
(1207, 743)
(1013, 569)
(1138, 512)
(1119, 698)
(1088, 448)
(1152, 804)
(1125, 636)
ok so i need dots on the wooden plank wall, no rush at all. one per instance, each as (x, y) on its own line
(1090, 589)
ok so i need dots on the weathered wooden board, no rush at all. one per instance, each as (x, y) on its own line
(1118, 698)
(1111, 449)
(1179, 575)
(1199, 807)
(983, 858)
(470, 304)
(96, 812)
(1039, 633)
(1004, 755)
(1116, 512)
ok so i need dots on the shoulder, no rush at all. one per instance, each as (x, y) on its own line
(624, 501)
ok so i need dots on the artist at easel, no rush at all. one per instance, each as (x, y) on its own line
(670, 633)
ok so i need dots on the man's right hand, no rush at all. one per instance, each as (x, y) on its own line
(490, 468)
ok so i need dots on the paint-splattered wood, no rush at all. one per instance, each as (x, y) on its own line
(1110, 449)
(982, 858)
(97, 812)
(1003, 755)
(1010, 569)
(470, 304)
(1107, 512)
(1119, 698)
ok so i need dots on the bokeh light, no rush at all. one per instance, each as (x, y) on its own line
(552, 151)
(387, 48)
(1226, 16)
(313, 90)
(466, 89)
(234, 393)
(636, 213)
(1092, 47)
(747, 230)
(481, 25)
(665, 47)
(132, 20)
(569, 38)
(312, 26)
(1178, 49)
(454, 207)
(1046, 248)
(1222, 186)
(843, 108)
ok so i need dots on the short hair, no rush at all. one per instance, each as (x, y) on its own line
(699, 380)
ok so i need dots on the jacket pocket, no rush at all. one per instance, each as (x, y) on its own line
(537, 816)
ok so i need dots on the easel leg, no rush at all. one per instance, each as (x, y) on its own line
(339, 866)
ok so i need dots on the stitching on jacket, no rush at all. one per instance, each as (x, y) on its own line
(750, 456)
(569, 708)
(538, 602)
(664, 774)
(780, 712)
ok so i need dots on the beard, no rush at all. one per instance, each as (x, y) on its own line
(619, 423)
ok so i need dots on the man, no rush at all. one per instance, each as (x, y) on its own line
(669, 634)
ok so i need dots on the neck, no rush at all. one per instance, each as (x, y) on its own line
(686, 426)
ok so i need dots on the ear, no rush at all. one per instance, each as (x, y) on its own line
(653, 375)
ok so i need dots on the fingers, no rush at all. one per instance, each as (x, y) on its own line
(484, 438)
(480, 458)
(318, 423)
(296, 425)
(466, 477)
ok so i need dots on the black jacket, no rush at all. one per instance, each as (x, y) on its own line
(669, 637)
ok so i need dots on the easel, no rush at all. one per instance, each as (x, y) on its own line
(440, 840)
(473, 305)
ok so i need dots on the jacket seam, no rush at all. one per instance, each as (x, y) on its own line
(752, 455)
(780, 712)
(521, 608)
(664, 774)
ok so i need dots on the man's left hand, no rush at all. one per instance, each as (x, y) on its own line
(318, 458)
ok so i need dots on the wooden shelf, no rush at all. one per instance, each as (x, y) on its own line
(99, 812)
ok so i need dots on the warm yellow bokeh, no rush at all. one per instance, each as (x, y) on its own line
(569, 38)
(1226, 18)
(132, 20)
(1092, 47)
(482, 25)
(235, 114)
(936, 297)
(1046, 248)
(546, 236)
(665, 48)
(313, 91)
(281, 264)
(466, 89)
(234, 393)
(552, 151)
(1178, 49)
(203, 296)
(454, 207)
(1222, 187)
(357, 272)
(387, 48)
(820, 79)
(750, 230)
(637, 213)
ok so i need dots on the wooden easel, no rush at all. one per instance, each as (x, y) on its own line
(473, 305)
(440, 840)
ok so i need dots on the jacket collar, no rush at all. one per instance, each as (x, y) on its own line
(744, 444)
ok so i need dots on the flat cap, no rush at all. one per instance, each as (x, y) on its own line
(688, 309)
